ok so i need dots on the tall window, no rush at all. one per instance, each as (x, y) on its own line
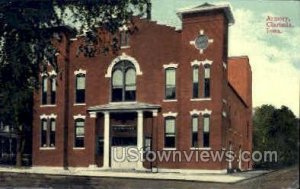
(44, 89)
(206, 81)
(53, 90)
(79, 133)
(195, 131)
(170, 134)
(124, 38)
(123, 82)
(206, 125)
(195, 81)
(80, 88)
(52, 132)
(170, 88)
(44, 133)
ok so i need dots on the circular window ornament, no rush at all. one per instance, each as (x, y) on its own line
(201, 42)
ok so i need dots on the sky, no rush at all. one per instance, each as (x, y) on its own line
(274, 57)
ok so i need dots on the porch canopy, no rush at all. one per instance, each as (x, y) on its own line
(124, 107)
(119, 107)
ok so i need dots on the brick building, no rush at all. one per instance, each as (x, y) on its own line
(164, 90)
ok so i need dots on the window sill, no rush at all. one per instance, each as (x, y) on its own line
(78, 148)
(200, 99)
(47, 105)
(170, 100)
(47, 148)
(169, 149)
(200, 148)
(125, 47)
(79, 104)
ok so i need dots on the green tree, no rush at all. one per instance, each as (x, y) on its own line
(276, 130)
(26, 30)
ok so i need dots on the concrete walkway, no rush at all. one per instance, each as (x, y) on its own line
(201, 177)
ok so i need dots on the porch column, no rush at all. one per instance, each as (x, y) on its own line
(140, 138)
(91, 141)
(106, 140)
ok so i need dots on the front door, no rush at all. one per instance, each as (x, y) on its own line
(124, 146)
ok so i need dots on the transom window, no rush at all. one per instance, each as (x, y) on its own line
(123, 82)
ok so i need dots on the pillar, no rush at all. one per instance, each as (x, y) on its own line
(140, 138)
(106, 140)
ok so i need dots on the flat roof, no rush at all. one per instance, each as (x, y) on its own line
(123, 106)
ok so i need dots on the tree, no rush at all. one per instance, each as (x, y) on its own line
(276, 130)
(27, 28)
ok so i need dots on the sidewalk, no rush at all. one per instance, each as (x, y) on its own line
(217, 178)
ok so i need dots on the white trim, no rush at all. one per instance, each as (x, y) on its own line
(206, 61)
(195, 112)
(79, 104)
(93, 114)
(79, 116)
(52, 73)
(169, 149)
(206, 111)
(200, 148)
(154, 113)
(123, 57)
(169, 100)
(43, 116)
(170, 114)
(43, 74)
(47, 105)
(74, 39)
(195, 63)
(80, 71)
(125, 47)
(123, 28)
(171, 65)
(47, 148)
(78, 148)
(200, 99)
(52, 116)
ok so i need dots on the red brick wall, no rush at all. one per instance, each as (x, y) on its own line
(152, 46)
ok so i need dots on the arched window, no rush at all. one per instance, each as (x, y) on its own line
(123, 82)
